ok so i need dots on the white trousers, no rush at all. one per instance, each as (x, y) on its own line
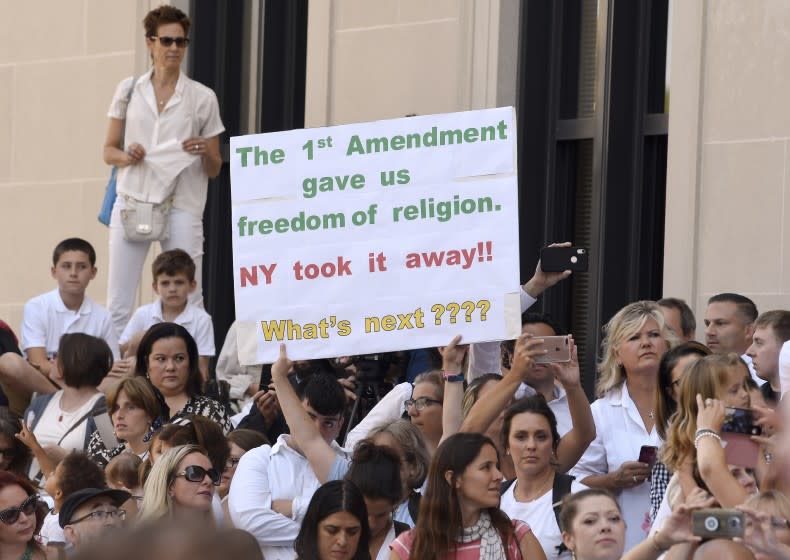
(127, 259)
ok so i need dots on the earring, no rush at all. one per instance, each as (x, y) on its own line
(573, 554)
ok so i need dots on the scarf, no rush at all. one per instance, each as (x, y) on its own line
(491, 546)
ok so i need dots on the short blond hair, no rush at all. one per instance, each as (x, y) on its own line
(627, 321)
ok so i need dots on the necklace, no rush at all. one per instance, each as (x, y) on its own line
(540, 492)
(652, 414)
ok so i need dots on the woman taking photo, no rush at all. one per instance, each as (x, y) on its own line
(459, 512)
(181, 484)
(20, 519)
(133, 407)
(530, 437)
(636, 339)
(335, 526)
(163, 104)
(168, 357)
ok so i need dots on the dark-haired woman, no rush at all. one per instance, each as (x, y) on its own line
(460, 517)
(14, 455)
(159, 107)
(64, 420)
(335, 526)
(168, 357)
(20, 519)
(530, 437)
(671, 369)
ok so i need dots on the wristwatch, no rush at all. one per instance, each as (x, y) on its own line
(453, 377)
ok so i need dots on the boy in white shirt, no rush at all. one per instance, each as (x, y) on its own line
(49, 316)
(174, 280)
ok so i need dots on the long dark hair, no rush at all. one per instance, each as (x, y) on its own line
(170, 330)
(665, 405)
(8, 478)
(20, 453)
(333, 497)
(439, 522)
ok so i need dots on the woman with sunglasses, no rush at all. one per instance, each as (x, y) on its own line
(181, 484)
(147, 112)
(20, 519)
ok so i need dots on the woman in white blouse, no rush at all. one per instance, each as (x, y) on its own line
(636, 339)
(165, 108)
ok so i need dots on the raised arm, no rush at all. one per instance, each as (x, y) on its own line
(573, 444)
(485, 411)
(711, 461)
(318, 452)
(452, 368)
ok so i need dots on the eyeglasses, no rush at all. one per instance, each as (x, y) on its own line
(195, 473)
(327, 423)
(420, 403)
(11, 515)
(101, 515)
(232, 462)
(181, 42)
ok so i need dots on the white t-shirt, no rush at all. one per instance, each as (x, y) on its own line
(384, 551)
(51, 530)
(191, 111)
(539, 514)
(46, 319)
(55, 422)
(194, 319)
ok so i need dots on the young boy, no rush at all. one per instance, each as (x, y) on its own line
(174, 280)
(49, 316)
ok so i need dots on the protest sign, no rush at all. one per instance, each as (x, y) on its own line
(374, 237)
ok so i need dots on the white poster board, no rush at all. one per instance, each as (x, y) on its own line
(378, 236)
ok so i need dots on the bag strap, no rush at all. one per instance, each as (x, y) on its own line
(106, 431)
(99, 404)
(413, 505)
(128, 99)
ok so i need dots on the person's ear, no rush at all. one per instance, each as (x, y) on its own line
(94, 270)
(52, 271)
(71, 535)
(568, 541)
(192, 286)
(448, 476)
(58, 494)
(155, 286)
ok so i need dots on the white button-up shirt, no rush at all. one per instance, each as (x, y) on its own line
(194, 319)
(620, 433)
(191, 111)
(263, 475)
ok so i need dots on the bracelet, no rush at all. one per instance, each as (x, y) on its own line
(703, 434)
(768, 456)
(453, 377)
(656, 545)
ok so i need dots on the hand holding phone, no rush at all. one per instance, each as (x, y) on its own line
(648, 454)
(559, 259)
(558, 349)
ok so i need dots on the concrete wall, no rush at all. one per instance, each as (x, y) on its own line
(60, 62)
(729, 127)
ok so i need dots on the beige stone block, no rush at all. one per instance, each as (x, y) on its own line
(6, 116)
(420, 10)
(11, 313)
(60, 117)
(41, 30)
(747, 53)
(740, 217)
(353, 14)
(111, 27)
(387, 73)
(785, 236)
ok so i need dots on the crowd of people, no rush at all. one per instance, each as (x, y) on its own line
(115, 442)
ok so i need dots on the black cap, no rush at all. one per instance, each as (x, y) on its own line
(76, 499)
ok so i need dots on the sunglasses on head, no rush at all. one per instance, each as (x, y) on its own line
(11, 515)
(195, 473)
(180, 42)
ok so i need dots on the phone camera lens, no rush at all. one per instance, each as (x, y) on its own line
(711, 523)
(735, 523)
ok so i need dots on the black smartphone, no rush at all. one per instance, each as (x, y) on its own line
(648, 455)
(266, 377)
(558, 259)
(740, 421)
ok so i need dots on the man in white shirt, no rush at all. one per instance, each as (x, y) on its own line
(729, 326)
(272, 486)
(771, 331)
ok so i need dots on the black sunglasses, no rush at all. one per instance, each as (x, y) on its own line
(195, 473)
(11, 515)
(180, 42)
